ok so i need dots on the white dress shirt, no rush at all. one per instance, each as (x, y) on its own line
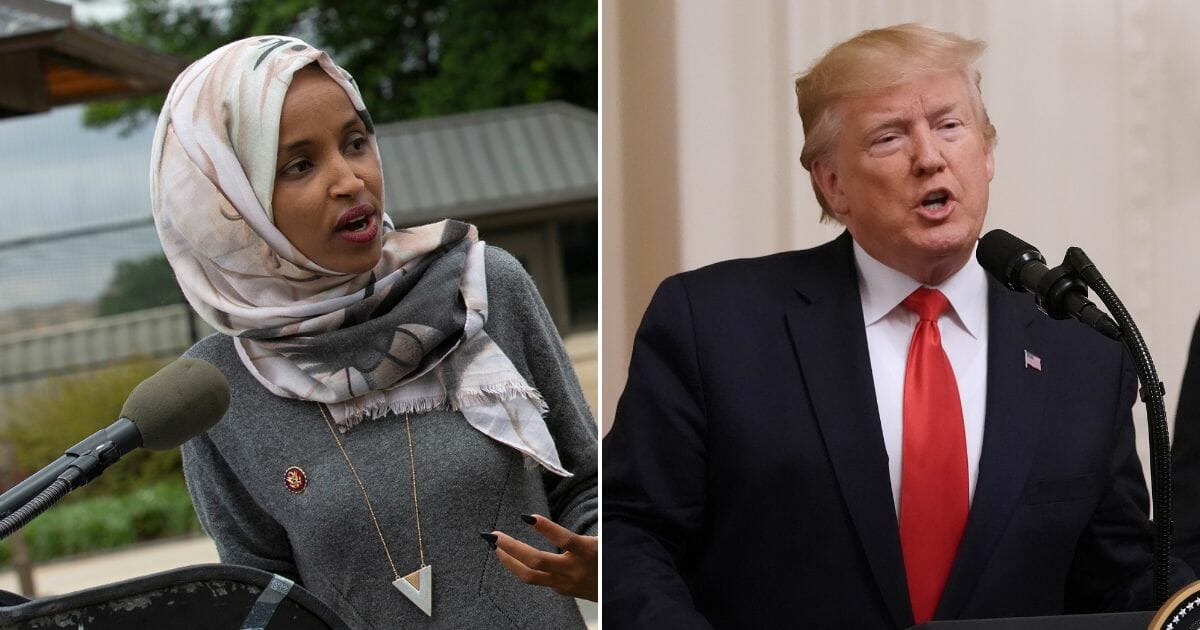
(890, 328)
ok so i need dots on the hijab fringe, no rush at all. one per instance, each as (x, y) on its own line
(489, 394)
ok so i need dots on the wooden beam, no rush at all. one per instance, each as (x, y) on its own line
(73, 85)
(22, 86)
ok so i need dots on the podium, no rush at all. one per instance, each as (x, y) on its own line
(211, 596)
(1111, 621)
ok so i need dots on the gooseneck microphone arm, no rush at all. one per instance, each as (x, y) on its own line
(1062, 293)
(22, 493)
(79, 465)
(1059, 291)
(1156, 412)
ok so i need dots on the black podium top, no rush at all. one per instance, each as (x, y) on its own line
(1112, 621)
(212, 596)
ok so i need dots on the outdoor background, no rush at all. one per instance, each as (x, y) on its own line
(486, 111)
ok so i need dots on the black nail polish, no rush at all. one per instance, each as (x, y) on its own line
(489, 538)
(528, 519)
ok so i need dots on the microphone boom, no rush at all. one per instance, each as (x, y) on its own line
(180, 401)
(1059, 292)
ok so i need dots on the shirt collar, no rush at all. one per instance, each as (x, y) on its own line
(883, 289)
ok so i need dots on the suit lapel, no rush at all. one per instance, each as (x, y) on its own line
(1013, 414)
(825, 325)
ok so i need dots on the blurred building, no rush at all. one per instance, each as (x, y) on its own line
(525, 175)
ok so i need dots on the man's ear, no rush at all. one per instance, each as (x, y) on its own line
(825, 178)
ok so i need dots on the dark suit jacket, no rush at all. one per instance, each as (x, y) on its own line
(1185, 456)
(746, 481)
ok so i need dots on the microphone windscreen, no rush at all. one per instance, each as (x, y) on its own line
(180, 401)
(1000, 252)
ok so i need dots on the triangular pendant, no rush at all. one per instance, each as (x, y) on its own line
(418, 587)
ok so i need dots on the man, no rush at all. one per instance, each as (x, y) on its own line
(871, 433)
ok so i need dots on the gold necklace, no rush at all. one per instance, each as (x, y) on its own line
(418, 585)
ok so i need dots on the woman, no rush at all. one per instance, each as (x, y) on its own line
(396, 394)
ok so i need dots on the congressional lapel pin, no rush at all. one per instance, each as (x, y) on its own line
(1033, 361)
(295, 479)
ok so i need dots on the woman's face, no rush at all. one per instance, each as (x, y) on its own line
(328, 183)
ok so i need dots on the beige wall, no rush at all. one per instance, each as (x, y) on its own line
(1097, 106)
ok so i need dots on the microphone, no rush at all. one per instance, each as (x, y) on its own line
(180, 401)
(1020, 267)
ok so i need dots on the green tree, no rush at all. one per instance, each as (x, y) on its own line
(411, 58)
(139, 284)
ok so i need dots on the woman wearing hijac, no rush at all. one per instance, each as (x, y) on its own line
(395, 394)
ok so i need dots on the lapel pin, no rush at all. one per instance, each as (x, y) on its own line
(1033, 361)
(295, 479)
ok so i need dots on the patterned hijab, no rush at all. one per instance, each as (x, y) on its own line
(405, 337)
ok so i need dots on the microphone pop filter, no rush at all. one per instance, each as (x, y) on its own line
(1004, 255)
(180, 401)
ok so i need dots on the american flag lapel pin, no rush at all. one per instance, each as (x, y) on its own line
(1033, 361)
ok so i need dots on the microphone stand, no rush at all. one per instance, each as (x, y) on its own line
(79, 465)
(1152, 396)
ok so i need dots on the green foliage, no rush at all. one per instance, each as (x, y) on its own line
(500, 53)
(71, 408)
(157, 511)
(410, 58)
(139, 284)
(140, 498)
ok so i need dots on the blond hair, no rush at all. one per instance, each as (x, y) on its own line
(869, 63)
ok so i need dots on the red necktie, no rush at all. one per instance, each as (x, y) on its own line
(933, 479)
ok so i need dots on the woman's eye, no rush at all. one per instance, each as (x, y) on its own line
(299, 167)
(358, 143)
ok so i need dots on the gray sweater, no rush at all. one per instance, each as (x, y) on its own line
(323, 537)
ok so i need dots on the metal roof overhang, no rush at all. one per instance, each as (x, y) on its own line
(46, 60)
(490, 162)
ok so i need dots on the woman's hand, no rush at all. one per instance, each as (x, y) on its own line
(572, 572)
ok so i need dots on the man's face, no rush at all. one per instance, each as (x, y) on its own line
(909, 175)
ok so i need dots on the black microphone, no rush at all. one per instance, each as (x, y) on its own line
(1020, 267)
(180, 401)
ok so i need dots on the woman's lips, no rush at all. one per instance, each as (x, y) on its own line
(359, 224)
(365, 234)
